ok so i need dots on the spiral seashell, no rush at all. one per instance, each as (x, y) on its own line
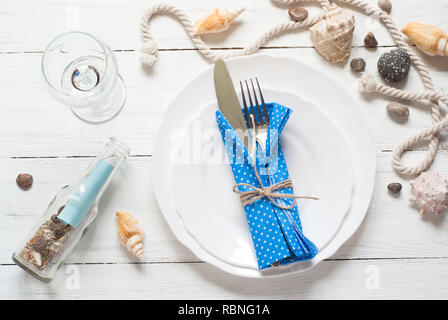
(130, 232)
(215, 21)
(429, 39)
(332, 35)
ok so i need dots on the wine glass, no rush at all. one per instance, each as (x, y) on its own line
(81, 72)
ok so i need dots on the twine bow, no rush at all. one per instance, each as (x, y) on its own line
(248, 197)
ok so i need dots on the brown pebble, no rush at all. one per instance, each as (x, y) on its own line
(394, 187)
(40, 245)
(398, 111)
(298, 14)
(385, 5)
(60, 209)
(358, 64)
(24, 181)
(370, 40)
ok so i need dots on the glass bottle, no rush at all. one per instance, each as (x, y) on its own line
(68, 215)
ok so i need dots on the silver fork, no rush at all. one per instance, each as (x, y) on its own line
(261, 124)
(259, 113)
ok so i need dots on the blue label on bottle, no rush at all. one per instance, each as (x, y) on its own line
(82, 200)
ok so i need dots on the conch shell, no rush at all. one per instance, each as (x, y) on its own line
(130, 232)
(215, 21)
(431, 40)
(332, 35)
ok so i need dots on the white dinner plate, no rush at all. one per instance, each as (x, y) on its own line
(295, 77)
(318, 160)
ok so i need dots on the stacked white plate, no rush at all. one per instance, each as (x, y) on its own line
(327, 145)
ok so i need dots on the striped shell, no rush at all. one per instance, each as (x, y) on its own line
(431, 40)
(130, 232)
(217, 20)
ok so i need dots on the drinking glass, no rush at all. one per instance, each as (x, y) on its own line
(81, 72)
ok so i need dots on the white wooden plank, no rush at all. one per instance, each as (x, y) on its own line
(28, 25)
(376, 279)
(392, 227)
(34, 124)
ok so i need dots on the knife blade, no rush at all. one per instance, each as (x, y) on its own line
(228, 101)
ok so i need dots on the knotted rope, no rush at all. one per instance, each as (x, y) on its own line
(149, 55)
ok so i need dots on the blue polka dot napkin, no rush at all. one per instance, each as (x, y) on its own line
(276, 233)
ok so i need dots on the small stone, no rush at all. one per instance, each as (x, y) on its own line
(40, 245)
(398, 111)
(59, 231)
(394, 187)
(385, 5)
(60, 209)
(358, 64)
(370, 40)
(298, 14)
(394, 65)
(24, 181)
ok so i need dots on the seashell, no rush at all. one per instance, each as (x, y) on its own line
(332, 35)
(431, 40)
(130, 232)
(216, 21)
(398, 111)
(36, 258)
(430, 192)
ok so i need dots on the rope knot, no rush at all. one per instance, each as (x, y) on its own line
(148, 52)
(367, 83)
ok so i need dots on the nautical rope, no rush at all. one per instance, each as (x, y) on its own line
(149, 55)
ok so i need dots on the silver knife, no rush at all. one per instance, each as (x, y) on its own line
(228, 101)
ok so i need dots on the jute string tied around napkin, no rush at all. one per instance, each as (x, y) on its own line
(248, 197)
(257, 193)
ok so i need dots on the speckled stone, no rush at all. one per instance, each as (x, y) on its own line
(394, 65)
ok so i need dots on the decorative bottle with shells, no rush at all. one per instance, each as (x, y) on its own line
(56, 233)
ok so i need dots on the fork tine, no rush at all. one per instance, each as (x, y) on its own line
(265, 110)
(251, 104)
(246, 111)
(257, 106)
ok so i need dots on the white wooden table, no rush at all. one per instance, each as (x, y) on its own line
(395, 253)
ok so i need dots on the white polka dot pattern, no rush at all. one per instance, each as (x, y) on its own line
(275, 237)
